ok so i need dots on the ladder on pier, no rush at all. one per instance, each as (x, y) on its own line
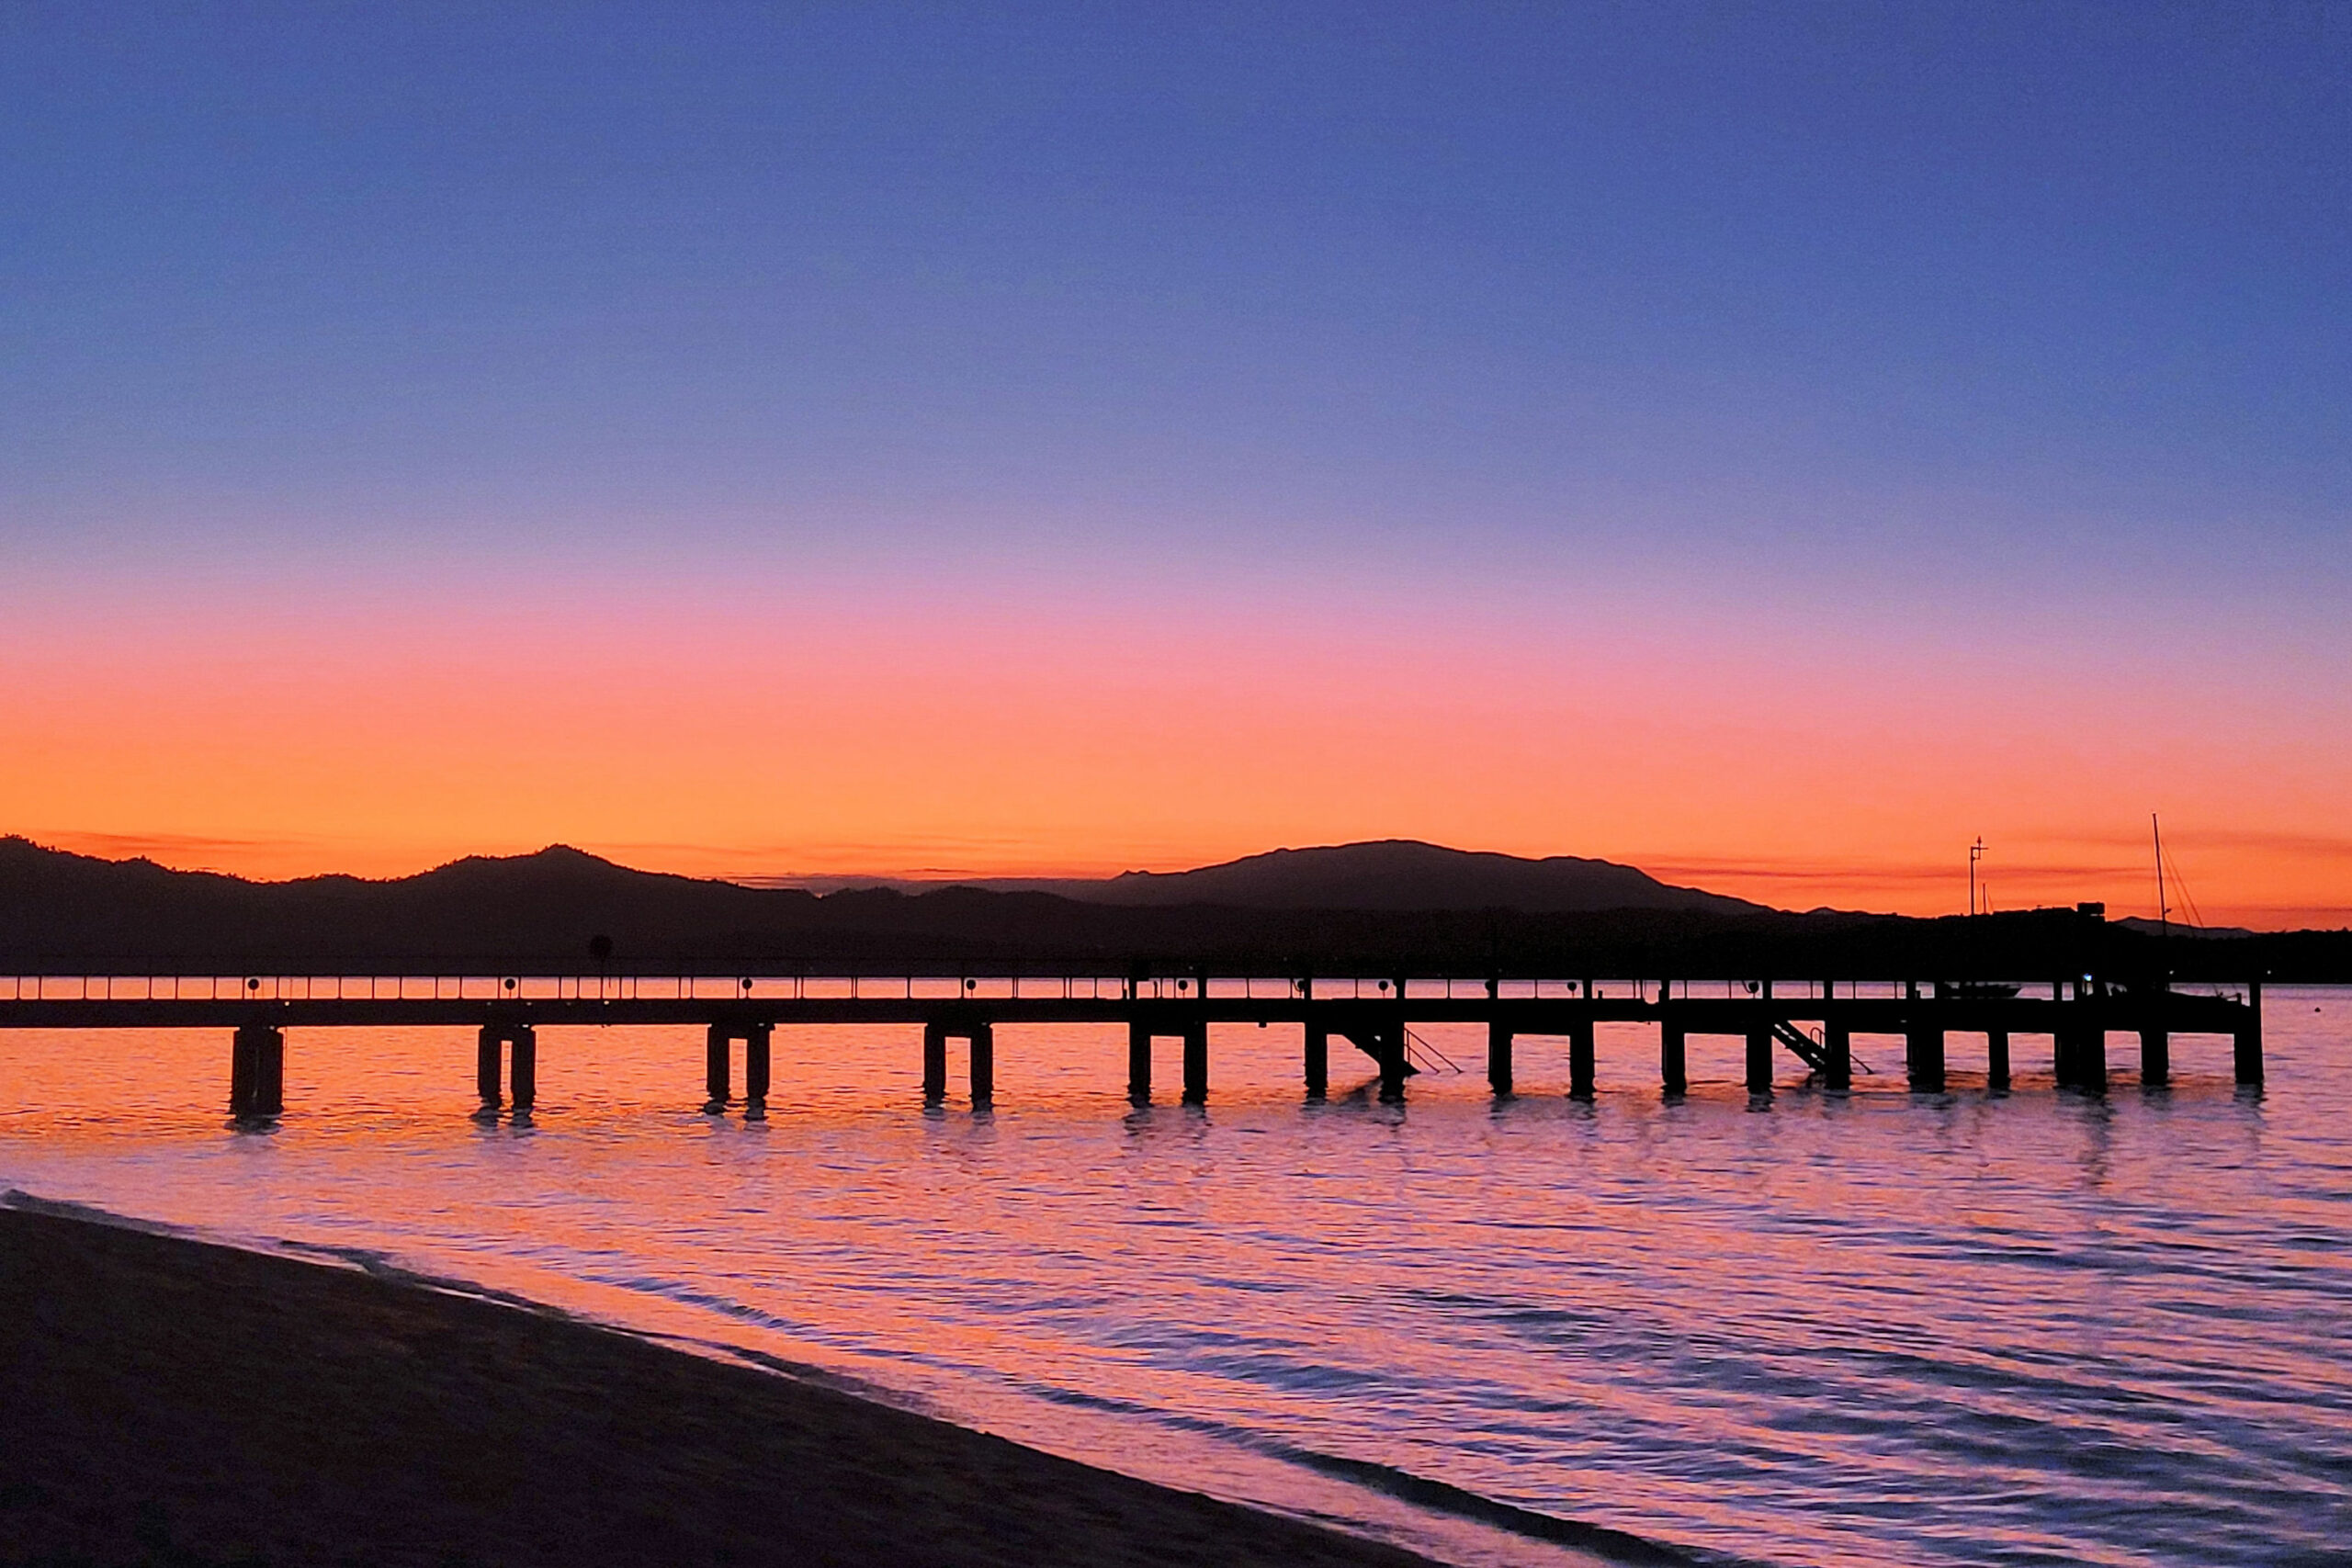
(1808, 1048)
(1422, 1056)
(1369, 1047)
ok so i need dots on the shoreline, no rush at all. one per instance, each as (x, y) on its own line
(167, 1400)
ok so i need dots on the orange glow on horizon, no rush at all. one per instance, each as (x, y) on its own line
(1798, 770)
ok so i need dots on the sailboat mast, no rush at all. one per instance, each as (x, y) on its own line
(2156, 832)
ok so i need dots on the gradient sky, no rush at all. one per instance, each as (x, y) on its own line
(1773, 444)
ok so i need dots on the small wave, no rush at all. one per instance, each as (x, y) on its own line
(89, 1213)
(366, 1260)
(1441, 1497)
(378, 1265)
(1437, 1496)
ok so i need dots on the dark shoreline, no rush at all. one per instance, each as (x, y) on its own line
(167, 1401)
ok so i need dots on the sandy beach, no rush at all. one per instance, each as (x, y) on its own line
(163, 1401)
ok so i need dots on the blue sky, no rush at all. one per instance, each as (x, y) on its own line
(1498, 269)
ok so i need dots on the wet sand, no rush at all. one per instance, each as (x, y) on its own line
(167, 1402)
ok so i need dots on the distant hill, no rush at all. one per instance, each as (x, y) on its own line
(1394, 874)
(553, 901)
(2147, 927)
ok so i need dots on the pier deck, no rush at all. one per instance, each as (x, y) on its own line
(1813, 1021)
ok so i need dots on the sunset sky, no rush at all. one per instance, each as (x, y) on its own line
(1771, 445)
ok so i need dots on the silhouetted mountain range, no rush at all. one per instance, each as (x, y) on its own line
(1394, 874)
(1367, 908)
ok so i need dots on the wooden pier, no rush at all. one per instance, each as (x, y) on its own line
(1814, 1022)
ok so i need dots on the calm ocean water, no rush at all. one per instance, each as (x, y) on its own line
(1874, 1328)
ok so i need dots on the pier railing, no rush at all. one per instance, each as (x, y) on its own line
(492, 985)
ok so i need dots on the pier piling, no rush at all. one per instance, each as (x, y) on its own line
(1580, 1060)
(934, 1062)
(269, 1073)
(1318, 1060)
(486, 1066)
(758, 1062)
(257, 1071)
(1836, 1054)
(1498, 1043)
(1139, 1062)
(489, 1047)
(523, 1073)
(1923, 1057)
(2081, 1051)
(241, 1074)
(717, 1069)
(983, 1065)
(1760, 1059)
(2155, 1058)
(2247, 1042)
(1196, 1062)
(1996, 1058)
(1391, 1056)
(1672, 1059)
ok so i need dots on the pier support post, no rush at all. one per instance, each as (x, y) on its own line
(486, 1064)
(983, 1065)
(2249, 1041)
(1318, 1060)
(934, 1063)
(1760, 1059)
(2249, 1037)
(2082, 1056)
(1922, 1058)
(1672, 1059)
(256, 1071)
(241, 1072)
(717, 1067)
(758, 1060)
(1498, 1042)
(523, 1076)
(1139, 1062)
(1196, 1062)
(1996, 1058)
(2155, 1058)
(1392, 1062)
(269, 1073)
(1580, 1060)
(1836, 1054)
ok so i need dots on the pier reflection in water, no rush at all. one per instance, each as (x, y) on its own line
(1965, 1327)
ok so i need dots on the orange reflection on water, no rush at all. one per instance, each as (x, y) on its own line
(1820, 1329)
